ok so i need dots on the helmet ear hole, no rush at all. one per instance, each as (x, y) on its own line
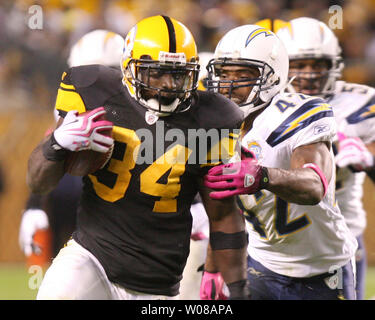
(195, 59)
(127, 73)
(146, 57)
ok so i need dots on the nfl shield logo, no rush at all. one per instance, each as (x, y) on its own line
(151, 117)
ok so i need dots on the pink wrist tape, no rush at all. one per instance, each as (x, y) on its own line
(320, 173)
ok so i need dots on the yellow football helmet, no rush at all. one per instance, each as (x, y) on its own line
(273, 24)
(160, 65)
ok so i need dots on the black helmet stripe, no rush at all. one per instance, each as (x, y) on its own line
(172, 34)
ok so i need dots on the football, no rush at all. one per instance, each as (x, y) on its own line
(85, 162)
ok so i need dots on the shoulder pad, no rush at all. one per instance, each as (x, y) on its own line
(357, 88)
(216, 111)
(87, 87)
(96, 83)
(294, 116)
(295, 98)
(366, 111)
(86, 76)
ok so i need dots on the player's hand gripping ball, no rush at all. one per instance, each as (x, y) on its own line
(88, 137)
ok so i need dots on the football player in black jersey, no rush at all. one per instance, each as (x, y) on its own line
(134, 221)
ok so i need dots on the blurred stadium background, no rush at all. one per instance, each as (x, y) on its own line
(32, 61)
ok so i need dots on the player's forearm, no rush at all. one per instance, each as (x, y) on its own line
(43, 175)
(228, 238)
(209, 264)
(301, 186)
(371, 170)
(231, 261)
(35, 201)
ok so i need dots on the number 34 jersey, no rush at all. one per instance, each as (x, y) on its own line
(287, 238)
(134, 214)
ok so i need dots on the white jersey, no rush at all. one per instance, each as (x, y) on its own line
(353, 107)
(287, 238)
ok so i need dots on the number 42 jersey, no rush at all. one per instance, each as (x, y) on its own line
(287, 238)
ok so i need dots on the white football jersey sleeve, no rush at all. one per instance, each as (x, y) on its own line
(354, 109)
(287, 238)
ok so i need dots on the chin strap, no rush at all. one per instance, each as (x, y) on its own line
(288, 86)
(250, 108)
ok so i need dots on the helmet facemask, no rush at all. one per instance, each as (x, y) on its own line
(318, 83)
(310, 39)
(164, 87)
(259, 84)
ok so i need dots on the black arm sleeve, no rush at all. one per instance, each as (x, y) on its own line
(35, 201)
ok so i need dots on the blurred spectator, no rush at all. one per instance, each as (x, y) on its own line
(32, 60)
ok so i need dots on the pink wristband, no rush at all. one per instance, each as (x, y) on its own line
(320, 173)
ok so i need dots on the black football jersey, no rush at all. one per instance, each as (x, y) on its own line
(134, 214)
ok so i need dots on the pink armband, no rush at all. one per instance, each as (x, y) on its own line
(320, 173)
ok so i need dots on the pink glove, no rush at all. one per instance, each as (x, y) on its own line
(245, 177)
(198, 236)
(212, 286)
(353, 152)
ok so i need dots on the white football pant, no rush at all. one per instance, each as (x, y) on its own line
(191, 278)
(75, 274)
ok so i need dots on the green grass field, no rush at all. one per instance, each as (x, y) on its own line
(14, 283)
(370, 283)
(15, 280)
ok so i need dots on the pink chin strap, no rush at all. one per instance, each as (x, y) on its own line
(321, 175)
